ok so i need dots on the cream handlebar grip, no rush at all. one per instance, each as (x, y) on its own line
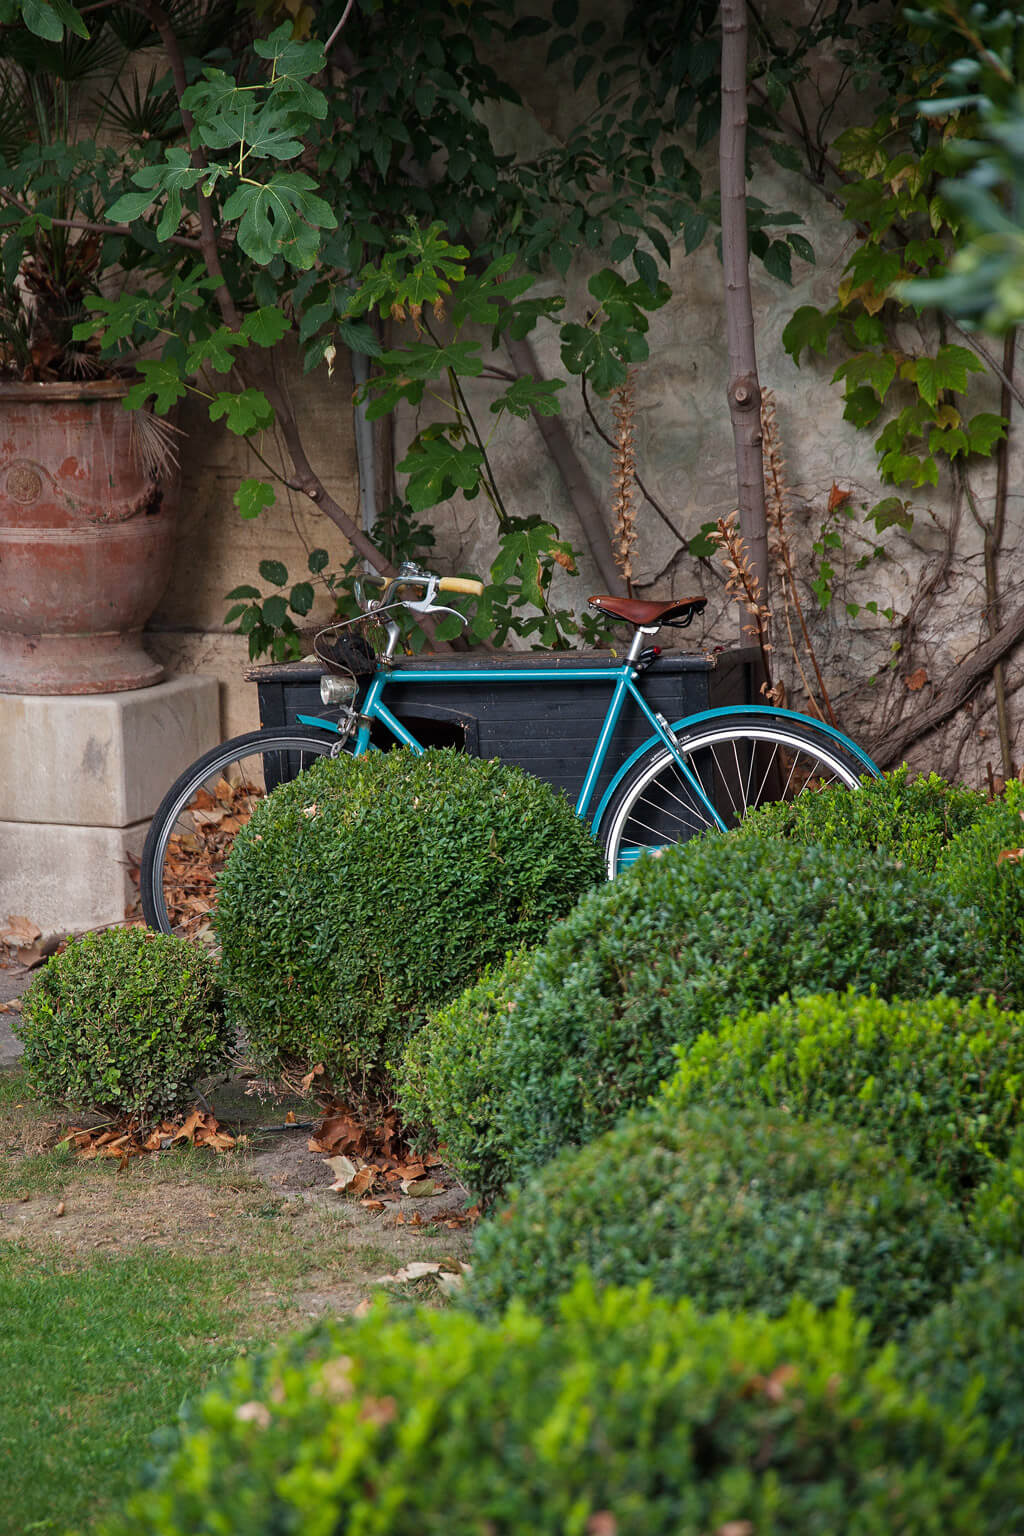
(461, 584)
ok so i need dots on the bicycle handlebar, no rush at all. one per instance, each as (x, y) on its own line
(464, 584)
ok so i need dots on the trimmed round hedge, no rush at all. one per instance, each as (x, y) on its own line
(631, 1415)
(998, 1213)
(974, 1344)
(942, 1079)
(371, 889)
(897, 817)
(738, 1210)
(984, 867)
(953, 833)
(674, 947)
(123, 1022)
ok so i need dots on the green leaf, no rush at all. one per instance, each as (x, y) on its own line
(244, 592)
(272, 571)
(778, 261)
(360, 337)
(890, 512)
(647, 269)
(622, 247)
(252, 496)
(301, 597)
(809, 328)
(861, 406)
(129, 206)
(215, 351)
(275, 611)
(436, 466)
(947, 370)
(528, 394)
(449, 627)
(318, 560)
(266, 326)
(247, 411)
(873, 369)
(161, 378)
(702, 546)
(281, 218)
(984, 431)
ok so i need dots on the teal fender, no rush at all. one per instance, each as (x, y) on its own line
(710, 715)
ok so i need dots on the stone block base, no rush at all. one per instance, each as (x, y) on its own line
(80, 778)
(65, 879)
(101, 760)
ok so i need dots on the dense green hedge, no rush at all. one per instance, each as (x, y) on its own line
(452, 1063)
(998, 1213)
(941, 1079)
(952, 833)
(676, 946)
(974, 1344)
(123, 1022)
(631, 1416)
(732, 1210)
(897, 817)
(371, 889)
(972, 868)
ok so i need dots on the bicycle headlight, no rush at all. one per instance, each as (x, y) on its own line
(337, 690)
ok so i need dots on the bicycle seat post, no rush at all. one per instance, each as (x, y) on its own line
(636, 645)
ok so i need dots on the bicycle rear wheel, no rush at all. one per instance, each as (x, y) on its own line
(739, 762)
(198, 819)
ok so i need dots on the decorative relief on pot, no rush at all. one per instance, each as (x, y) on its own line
(24, 482)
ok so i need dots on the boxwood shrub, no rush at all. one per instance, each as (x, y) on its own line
(371, 889)
(682, 942)
(737, 1209)
(998, 1213)
(632, 1415)
(955, 834)
(973, 1345)
(977, 870)
(123, 1022)
(446, 1081)
(897, 817)
(940, 1078)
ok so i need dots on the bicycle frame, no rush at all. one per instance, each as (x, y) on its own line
(624, 681)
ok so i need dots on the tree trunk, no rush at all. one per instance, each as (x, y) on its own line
(744, 391)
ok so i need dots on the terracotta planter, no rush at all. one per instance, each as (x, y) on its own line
(85, 542)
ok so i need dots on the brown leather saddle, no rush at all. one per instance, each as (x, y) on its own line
(678, 614)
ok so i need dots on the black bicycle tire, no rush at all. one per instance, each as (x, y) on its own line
(154, 853)
(764, 727)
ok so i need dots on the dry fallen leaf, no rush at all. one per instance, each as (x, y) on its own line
(916, 680)
(60, 1209)
(419, 1187)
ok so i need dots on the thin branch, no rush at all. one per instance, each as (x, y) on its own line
(334, 35)
(88, 227)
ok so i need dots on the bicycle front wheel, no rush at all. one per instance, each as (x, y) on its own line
(738, 762)
(198, 819)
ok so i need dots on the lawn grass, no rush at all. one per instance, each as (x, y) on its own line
(94, 1358)
(124, 1290)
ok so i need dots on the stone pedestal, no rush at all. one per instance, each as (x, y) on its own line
(80, 778)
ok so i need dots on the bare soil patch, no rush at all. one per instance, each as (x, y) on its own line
(302, 1249)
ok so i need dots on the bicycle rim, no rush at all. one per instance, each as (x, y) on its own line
(738, 765)
(194, 829)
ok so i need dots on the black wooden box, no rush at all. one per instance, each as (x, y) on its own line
(549, 728)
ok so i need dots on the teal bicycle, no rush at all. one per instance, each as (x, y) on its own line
(700, 773)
